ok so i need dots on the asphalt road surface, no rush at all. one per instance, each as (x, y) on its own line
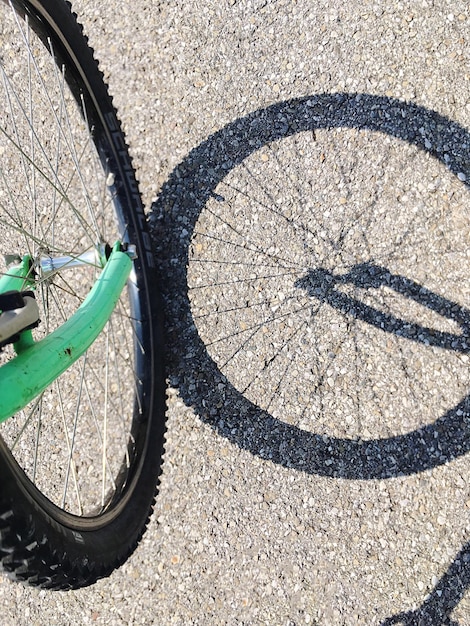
(305, 169)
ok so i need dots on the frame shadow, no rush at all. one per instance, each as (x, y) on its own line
(203, 386)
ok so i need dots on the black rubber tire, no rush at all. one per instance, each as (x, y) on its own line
(40, 543)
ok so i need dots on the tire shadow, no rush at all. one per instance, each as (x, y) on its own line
(192, 370)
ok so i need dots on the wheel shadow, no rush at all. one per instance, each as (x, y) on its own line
(192, 370)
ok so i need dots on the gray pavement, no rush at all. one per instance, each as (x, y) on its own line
(305, 165)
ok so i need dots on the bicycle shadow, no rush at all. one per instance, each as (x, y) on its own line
(321, 284)
(191, 369)
(439, 604)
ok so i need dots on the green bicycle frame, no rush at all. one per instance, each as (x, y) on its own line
(38, 364)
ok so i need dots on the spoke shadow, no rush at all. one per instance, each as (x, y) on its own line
(204, 387)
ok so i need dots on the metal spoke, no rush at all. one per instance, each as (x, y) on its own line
(55, 206)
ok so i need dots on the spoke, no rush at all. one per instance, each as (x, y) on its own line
(38, 434)
(105, 425)
(73, 153)
(54, 187)
(131, 342)
(22, 157)
(98, 430)
(69, 450)
(101, 192)
(34, 214)
(70, 144)
(26, 423)
(74, 432)
(117, 378)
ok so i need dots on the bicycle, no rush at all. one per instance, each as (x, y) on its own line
(82, 390)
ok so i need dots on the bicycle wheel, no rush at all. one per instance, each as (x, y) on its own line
(79, 465)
